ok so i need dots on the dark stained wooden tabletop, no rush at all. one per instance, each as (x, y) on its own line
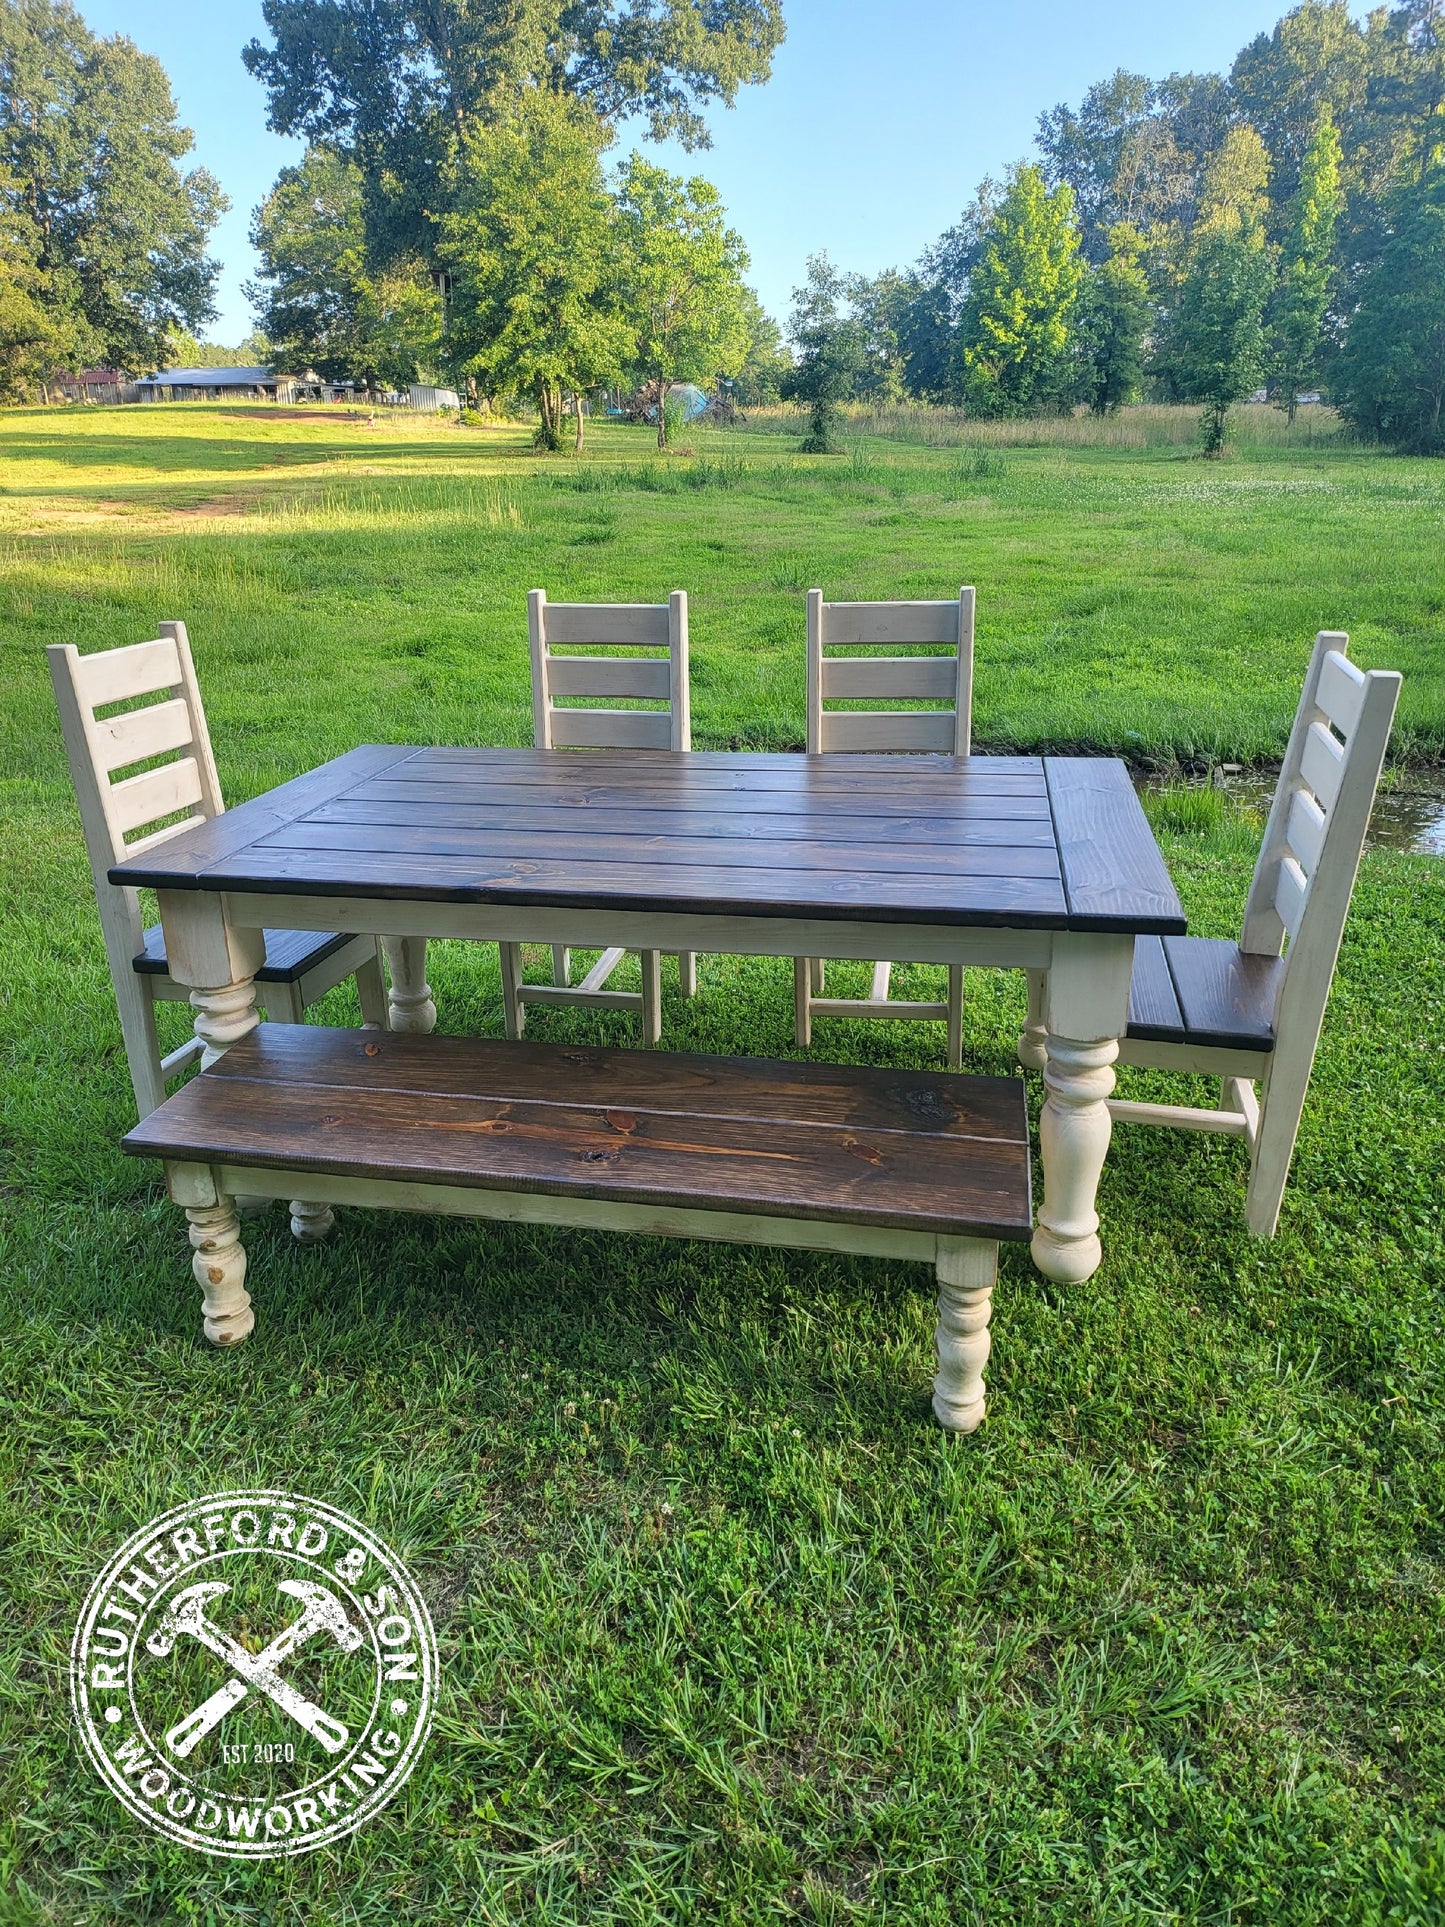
(1056, 843)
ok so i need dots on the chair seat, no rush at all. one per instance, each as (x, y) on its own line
(1203, 991)
(289, 953)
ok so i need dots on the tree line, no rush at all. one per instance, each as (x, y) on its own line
(1194, 239)
(455, 217)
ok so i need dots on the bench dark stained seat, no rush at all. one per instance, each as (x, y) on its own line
(930, 1167)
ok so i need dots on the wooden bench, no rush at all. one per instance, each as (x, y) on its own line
(928, 1167)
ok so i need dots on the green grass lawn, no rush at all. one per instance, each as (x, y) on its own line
(729, 1631)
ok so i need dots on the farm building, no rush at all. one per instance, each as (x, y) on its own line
(216, 384)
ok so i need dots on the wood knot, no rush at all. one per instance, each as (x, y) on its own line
(622, 1121)
(371, 1050)
(869, 1153)
(932, 1106)
(599, 1157)
(331, 1118)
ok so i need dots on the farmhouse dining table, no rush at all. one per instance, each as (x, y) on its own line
(1043, 864)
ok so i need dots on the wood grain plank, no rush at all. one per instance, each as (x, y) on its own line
(902, 800)
(907, 1179)
(761, 1089)
(698, 889)
(1114, 876)
(178, 864)
(974, 827)
(920, 855)
(1226, 996)
(1153, 1004)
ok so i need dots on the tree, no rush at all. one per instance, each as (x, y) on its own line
(1297, 312)
(399, 86)
(1015, 327)
(1314, 66)
(90, 150)
(1218, 340)
(1114, 317)
(1390, 378)
(682, 273)
(766, 362)
(533, 246)
(318, 304)
(37, 337)
(830, 351)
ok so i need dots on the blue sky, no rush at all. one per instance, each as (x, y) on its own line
(880, 120)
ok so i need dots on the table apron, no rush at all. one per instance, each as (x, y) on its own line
(598, 927)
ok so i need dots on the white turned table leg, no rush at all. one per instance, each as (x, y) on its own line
(1074, 1131)
(1086, 1008)
(967, 1269)
(412, 1008)
(219, 1266)
(310, 1222)
(1031, 1037)
(224, 1015)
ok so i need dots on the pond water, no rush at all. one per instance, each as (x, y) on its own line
(1408, 815)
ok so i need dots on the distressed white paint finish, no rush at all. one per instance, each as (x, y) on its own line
(1297, 905)
(412, 1009)
(111, 811)
(967, 1270)
(310, 1221)
(1086, 1011)
(949, 679)
(656, 678)
(219, 1265)
(1031, 1052)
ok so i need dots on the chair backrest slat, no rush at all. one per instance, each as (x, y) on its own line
(637, 678)
(1322, 765)
(117, 675)
(900, 679)
(138, 734)
(97, 746)
(1341, 692)
(142, 800)
(610, 676)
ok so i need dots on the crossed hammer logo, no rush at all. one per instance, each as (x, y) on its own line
(322, 1613)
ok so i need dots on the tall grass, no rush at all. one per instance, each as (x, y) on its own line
(1150, 425)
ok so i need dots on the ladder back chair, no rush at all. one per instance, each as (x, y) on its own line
(660, 677)
(1250, 1013)
(160, 801)
(936, 678)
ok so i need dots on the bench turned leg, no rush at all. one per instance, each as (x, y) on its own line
(1032, 1054)
(310, 1222)
(219, 1265)
(967, 1270)
(412, 1008)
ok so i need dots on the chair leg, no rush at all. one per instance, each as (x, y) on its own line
(137, 1013)
(561, 964)
(651, 961)
(371, 989)
(1281, 1105)
(1032, 1054)
(310, 1222)
(803, 994)
(687, 973)
(955, 1017)
(514, 1011)
(967, 1271)
(282, 1003)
